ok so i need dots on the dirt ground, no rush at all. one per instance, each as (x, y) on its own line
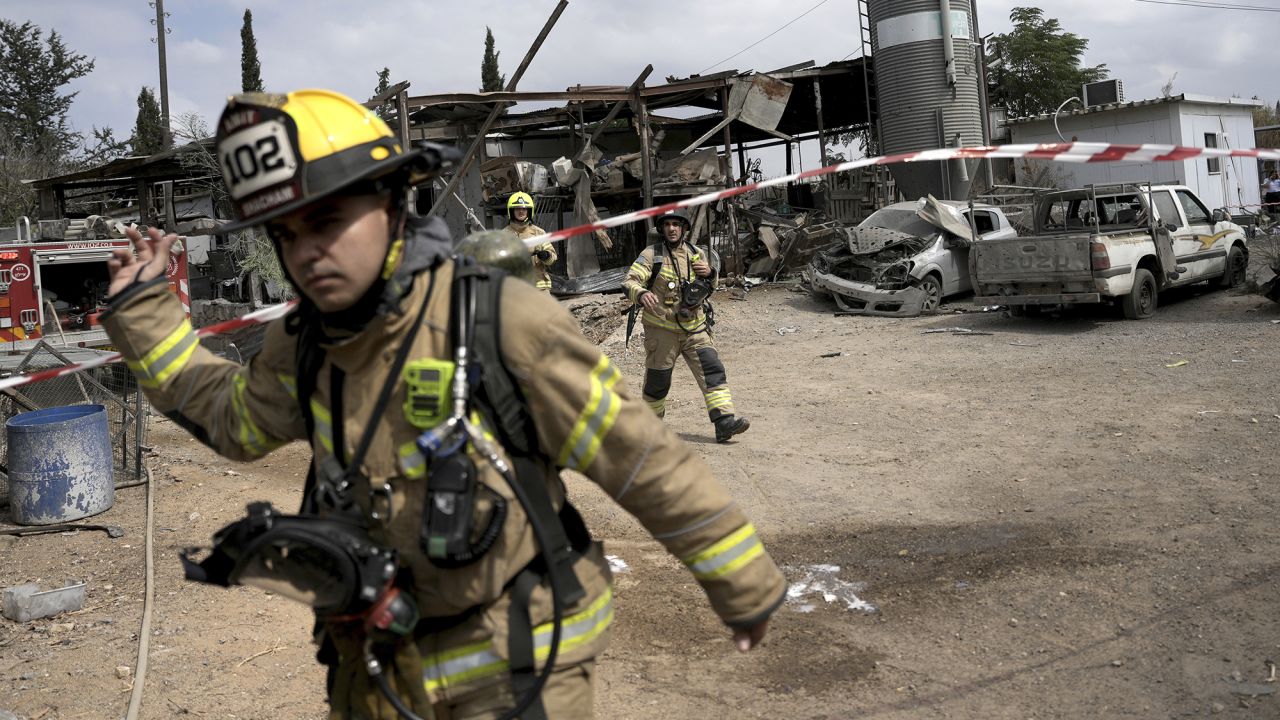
(1060, 518)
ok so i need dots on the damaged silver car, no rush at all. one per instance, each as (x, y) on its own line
(905, 258)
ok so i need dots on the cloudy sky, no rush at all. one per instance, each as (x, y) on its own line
(437, 45)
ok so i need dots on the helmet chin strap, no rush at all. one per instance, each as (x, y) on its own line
(356, 317)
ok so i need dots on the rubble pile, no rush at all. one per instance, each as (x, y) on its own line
(777, 244)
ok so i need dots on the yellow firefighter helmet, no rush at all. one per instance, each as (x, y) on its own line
(279, 152)
(520, 200)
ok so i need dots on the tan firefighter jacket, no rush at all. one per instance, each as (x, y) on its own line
(542, 268)
(677, 266)
(586, 419)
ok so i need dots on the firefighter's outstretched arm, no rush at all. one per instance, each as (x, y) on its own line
(241, 411)
(588, 421)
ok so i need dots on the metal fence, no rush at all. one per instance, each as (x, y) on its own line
(111, 386)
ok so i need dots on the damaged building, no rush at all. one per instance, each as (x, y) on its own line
(608, 150)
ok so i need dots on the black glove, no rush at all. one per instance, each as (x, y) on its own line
(543, 255)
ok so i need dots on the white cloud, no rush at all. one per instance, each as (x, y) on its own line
(437, 46)
(197, 52)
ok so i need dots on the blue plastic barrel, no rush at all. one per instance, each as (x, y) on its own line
(59, 464)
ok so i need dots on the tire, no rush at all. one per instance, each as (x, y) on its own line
(1140, 303)
(1236, 270)
(932, 286)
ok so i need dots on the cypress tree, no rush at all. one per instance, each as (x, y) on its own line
(250, 69)
(490, 79)
(148, 129)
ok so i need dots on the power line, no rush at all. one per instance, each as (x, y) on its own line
(766, 37)
(1213, 5)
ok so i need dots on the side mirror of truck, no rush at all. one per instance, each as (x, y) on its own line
(1171, 227)
(1221, 215)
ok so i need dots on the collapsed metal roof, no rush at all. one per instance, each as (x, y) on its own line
(444, 116)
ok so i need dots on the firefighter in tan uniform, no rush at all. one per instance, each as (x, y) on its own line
(326, 178)
(520, 222)
(673, 327)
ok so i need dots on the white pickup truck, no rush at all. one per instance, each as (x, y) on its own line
(1115, 243)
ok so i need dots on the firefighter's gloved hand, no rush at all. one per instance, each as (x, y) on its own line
(749, 638)
(150, 263)
(543, 255)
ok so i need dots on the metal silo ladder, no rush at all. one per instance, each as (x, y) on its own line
(880, 173)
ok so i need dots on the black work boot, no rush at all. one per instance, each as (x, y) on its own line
(728, 426)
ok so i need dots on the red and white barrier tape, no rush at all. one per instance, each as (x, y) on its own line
(1057, 152)
(257, 317)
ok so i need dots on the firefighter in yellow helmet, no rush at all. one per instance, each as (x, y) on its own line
(520, 222)
(449, 574)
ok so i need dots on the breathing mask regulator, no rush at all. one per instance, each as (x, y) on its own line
(328, 563)
(695, 294)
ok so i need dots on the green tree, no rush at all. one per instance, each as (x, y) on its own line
(384, 83)
(148, 129)
(1036, 66)
(1267, 117)
(33, 71)
(250, 69)
(490, 79)
(102, 148)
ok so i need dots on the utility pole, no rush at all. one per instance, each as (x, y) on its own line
(161, 31)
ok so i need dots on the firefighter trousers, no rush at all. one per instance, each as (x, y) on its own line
(663, 347)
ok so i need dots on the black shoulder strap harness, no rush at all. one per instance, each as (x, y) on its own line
(656, 270)
(498, 397)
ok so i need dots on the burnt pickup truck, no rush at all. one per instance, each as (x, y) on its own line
(1120, 244)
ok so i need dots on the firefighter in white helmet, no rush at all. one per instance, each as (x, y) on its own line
(520, 222)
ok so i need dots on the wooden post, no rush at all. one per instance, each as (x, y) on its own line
(817, 102)
(462, 168)
(733, 236)
(789, 170)
(144, 202)
(613, 112)
(742, 160)
(646, 156)
(728, 139)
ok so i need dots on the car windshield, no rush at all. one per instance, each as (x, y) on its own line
(901, 220)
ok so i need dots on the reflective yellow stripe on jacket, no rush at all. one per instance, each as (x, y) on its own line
(249, 434)
(726, 556)
(596, 419)
(324, 425)
(473, 662)
(168, 357)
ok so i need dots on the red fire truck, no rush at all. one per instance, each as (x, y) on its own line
(54, 290)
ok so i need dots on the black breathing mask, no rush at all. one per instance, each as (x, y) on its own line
(326, 562)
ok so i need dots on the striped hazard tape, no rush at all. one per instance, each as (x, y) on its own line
(1058, 152)
(1079, 152)
(257, 317)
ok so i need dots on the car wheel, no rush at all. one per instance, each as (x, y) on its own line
(932, 287)
(1236, 270)
(1140, 303)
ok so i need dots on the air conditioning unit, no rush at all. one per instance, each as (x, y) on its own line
(1103, 92)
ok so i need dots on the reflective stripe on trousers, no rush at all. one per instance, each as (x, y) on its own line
(479, 660)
